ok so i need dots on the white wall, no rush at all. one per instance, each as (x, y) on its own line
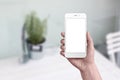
(101, 16)
(11, 22)
(101, 20)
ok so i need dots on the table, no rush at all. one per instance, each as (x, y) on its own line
(53, 67)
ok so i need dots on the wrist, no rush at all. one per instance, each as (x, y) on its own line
(87, 67)
(90, 72)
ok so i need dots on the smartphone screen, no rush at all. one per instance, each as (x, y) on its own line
(75, 33)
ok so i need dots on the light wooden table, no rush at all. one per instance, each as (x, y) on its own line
(53, 67)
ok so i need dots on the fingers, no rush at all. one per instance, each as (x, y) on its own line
(62, 47)
(63, 34)
(62, 41)
(89, 41)
(62, 53)
(62, 50)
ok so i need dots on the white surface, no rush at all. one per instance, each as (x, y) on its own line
(75, 33)
(75, 26)
(53, 67)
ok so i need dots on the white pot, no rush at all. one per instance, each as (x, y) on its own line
(35, 51)
(36, 54)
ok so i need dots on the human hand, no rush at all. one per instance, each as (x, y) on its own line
(80, 63)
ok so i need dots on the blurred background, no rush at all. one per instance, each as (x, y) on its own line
(103, 18)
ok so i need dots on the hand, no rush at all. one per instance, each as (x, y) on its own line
(80, 63)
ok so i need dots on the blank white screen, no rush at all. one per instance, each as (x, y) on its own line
(75, 39)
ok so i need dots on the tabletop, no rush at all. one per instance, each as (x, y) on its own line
(53, 67)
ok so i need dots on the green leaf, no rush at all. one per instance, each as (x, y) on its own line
(36, 29)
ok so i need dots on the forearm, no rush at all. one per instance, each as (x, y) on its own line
(90, 73)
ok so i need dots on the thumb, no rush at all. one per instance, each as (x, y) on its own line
(90, 44)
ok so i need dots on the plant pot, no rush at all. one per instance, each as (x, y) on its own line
(35, 51)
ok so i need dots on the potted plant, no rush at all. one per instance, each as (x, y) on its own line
(36, 32)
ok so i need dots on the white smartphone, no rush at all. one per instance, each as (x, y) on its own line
(75, 35)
